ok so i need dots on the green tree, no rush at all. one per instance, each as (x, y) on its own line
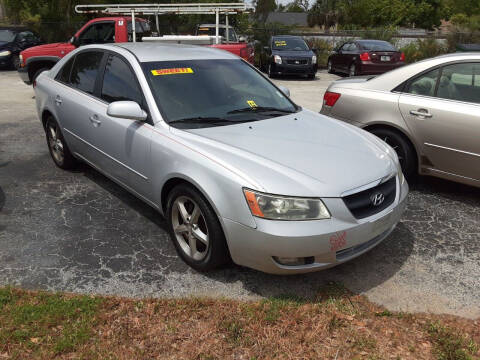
(263, 8)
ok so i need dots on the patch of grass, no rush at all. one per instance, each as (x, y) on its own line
(234, 331)
(275, 306)
(334, 323)
(364, 343)
(6, 296)
(383, 313)
(449, 345)
(60, 322)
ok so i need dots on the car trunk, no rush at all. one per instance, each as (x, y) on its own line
(384, 57)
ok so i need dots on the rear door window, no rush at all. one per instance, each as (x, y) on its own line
(460, 82)
(119, 82)
(85, 70)
(424, 84)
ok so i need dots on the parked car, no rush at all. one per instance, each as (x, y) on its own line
(365, 57)
(12, 41)
(35, 60)
(288, 55)
(429, 112)
(209, 29)
(237, 169)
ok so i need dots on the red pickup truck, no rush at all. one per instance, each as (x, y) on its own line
(98, 31)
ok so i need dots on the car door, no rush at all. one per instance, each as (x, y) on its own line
(442, 109)
(123, 144)
(98, 33)
(337, 58)
(75, 101)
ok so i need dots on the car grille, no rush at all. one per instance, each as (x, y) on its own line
(297, 62)
(361, 204)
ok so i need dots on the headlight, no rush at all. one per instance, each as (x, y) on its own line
(21, 59)
(5, 53)
(276, 207)
(277, 59)
(314, 59)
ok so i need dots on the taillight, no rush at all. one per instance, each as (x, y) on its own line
(402, 57)
(365, 56)
(330, 98)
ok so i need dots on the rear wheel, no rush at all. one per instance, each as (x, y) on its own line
(352, 70)
(195, 229)
(405, 151)
(57, 146)
(329, 67)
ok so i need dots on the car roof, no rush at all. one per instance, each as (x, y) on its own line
(156, 51)
(213, 25)
(14, 28)
(371, 40)
(286, 36)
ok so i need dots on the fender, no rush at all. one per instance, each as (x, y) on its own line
(55, 59)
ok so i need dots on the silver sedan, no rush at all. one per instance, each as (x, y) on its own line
(239, 171)
(429, 112)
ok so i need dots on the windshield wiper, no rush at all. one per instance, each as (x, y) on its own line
(260, 109)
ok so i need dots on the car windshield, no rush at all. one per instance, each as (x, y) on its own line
(201, 93)
(221, 32)
(377, 46)
(6, 35)
(290, 44)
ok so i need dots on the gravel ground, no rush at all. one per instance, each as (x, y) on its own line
(80, 232)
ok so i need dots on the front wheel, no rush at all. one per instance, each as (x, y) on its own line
(405, 151)
(329, 67)
(37, 73)
(195, 229)
(15, 62)
(270, 72)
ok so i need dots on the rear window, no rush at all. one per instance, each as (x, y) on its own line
(377, 46)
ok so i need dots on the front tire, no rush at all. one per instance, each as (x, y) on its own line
(405, 151)
(37, 73)
(329, 67)
(15, 62)
(195, 229)
(58, 148)
(270, 72)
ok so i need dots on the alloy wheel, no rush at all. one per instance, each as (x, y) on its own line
(398, 149)
(190, 228)
(329, 66)
(16, 62)
(55, 143)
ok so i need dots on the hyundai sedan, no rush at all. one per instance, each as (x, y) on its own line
(238, 170)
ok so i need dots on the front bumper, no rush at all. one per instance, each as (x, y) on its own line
(6, 61)
(255, 248)
(291, 69)
(23, 73)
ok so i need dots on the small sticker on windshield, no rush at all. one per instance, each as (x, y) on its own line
(281, 43)
(251, 103)
(172, 71)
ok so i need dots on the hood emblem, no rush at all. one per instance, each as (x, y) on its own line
(377, 199)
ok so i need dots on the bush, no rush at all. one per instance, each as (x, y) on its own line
(324, 49)
(423, 49)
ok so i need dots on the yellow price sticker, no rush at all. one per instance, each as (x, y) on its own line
(172, 71)
(281, 43)
(251, 103)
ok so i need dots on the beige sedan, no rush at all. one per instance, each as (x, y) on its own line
(429, 112)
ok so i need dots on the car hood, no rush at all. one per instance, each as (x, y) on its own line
(284, 53)
(303, 154)
(46, 47)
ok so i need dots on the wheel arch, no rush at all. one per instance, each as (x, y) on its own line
(36, 63)
(45, 115)
(400, 132)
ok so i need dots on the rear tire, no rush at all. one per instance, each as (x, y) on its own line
(352, 70)
(58, 148)
(195, 229)
(405, 151)
(329, 67)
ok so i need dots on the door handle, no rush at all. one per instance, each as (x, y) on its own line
(58, 100)
(421, 113)
(94, 120)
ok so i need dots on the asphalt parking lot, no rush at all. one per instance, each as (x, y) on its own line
(80, 232)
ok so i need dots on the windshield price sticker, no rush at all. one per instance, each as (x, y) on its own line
(172, 71)
(252, 103)
(281, 43)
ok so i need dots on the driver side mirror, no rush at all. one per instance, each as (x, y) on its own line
(126, 110)
(242, 39)
(74, 41)
(284, 90)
